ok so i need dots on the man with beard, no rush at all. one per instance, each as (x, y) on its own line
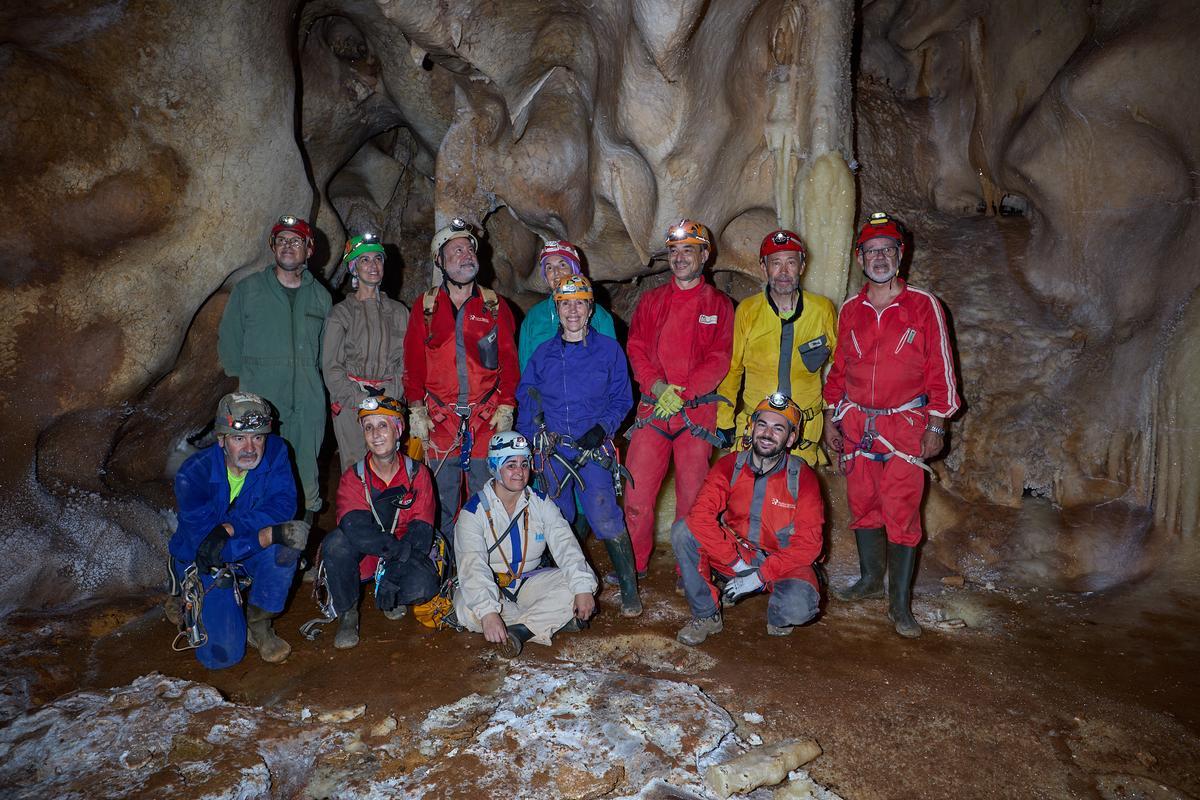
(385, 506)
(782, 336)
(270, 340)
(757, 521)
(460, 371)
(889, 393)
(236, 501)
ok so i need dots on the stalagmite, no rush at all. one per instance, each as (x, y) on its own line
(762, 767)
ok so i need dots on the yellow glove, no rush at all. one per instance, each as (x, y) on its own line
(669, 402)
(502, 418)
(419, 423)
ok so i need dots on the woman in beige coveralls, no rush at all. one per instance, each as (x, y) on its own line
(363, 350)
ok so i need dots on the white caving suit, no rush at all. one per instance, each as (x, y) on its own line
(544, 597)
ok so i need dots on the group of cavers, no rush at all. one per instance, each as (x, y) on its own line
(515, 445)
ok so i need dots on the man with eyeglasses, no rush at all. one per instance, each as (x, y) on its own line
(680, 339)
(782, 337)
(888, 395)
(270, 340)
(236, 501)
(757, 522)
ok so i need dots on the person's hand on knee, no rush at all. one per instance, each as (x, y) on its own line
(494, 629)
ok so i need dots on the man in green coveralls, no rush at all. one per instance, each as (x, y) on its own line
(270, 340)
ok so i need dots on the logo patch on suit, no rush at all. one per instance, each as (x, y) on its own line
(708, 319)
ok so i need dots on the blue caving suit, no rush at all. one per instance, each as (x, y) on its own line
(268, 497)
(581, 384)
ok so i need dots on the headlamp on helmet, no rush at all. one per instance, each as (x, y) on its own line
(781, 241)
(781, 404)
(688, 232)
(880, 225)
(242, 413)
(574, 287)
(387, 406)
(503, 446)
(290, 222)
(458, 228)
(360, 245)
(564, 250)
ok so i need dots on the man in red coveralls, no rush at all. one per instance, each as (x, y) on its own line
(460, 371)
(757, 520)
(680, 340)
(385, 508)
(888, 395)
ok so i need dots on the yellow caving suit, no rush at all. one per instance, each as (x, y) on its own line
(771, 353)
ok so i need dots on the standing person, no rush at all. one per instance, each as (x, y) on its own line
(782, 337)
(680, 340)
(236, 501)
(363, 352)
(573, 394)
(757, 521)
(385, 507)
(505, 530)
(557, 260)
(889, 393)
(270, 340)
(460, 370)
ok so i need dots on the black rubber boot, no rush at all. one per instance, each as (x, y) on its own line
(872, 544)
(260, 635)
(518, 635)
(347, 632)
(620, 552)
(901, 561)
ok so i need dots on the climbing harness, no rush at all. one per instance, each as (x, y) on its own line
(862, 448)
(192, 592)
(696, 430)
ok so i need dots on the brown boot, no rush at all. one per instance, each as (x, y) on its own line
(260, 635)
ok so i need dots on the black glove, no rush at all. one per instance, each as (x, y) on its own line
(208, 554)
(292, 538)
(594, 437)
(726, 437)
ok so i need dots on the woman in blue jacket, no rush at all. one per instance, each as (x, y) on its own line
(574, 393)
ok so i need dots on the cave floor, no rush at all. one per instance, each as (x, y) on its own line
(1041, 695)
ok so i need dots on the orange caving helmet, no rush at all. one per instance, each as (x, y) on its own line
(688, 231)
(783, 405)
(880, 224)
(387, 406)
(574, 287)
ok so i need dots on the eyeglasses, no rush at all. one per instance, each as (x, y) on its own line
(880, 251)
(289, 242)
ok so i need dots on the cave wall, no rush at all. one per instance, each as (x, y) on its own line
(1042, 153)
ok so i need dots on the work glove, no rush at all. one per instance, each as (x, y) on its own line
(502, 418)
(669, 402)
(594, 437)
(742, 586)
(726, 437)
(208, 554)
(292, 538)
(419, 423)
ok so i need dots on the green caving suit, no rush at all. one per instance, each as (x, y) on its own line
(272, 344)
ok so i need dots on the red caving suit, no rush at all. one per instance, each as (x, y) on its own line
(684, 337)
(729, 522)
(883, 361)
(446, 368)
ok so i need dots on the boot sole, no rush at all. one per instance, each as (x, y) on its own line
(632, 611)
(905, 631)
(847, 597)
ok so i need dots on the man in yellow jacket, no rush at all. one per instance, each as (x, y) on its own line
(782, 338)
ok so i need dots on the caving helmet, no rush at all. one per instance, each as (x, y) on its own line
(688, 231)
(781, 404)
(297, 225)
(242, 413)
(502, 447)
(381, 405)
(457, 229)
(574, 287)
(880, 224)
(358, 245)
(563, 248)
(781, 241)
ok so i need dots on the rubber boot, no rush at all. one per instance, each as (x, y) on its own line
(620, 552)
(518, 635)
(872, 543)
(901, 561)
(347, 632)
(260, 635)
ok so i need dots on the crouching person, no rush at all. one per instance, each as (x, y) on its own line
(502, 535)
(385, 506)
(236, 502)
(757, 521)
